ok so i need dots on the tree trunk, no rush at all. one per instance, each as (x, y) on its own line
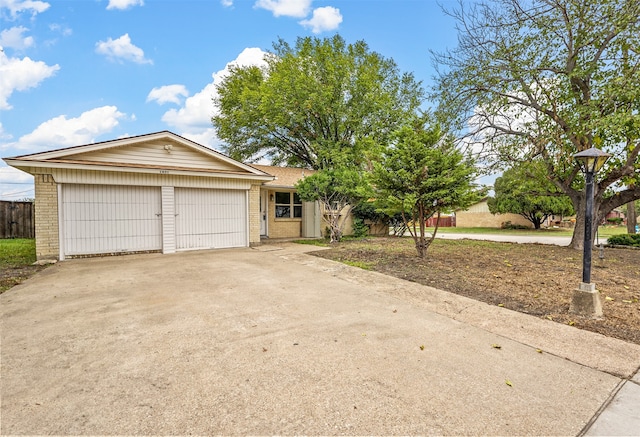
(631, 217)
(537, 222)
(577, 240)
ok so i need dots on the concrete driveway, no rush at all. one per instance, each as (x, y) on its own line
(274, 341)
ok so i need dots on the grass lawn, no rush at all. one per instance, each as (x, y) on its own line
(16, 259)
(603, 231)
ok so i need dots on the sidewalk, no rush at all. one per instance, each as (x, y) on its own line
(542, 239)
(621, 416)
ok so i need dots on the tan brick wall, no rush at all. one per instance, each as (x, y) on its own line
(254, 214)
(466, 219)
(46, 209)
(282, 227)
(285, 228)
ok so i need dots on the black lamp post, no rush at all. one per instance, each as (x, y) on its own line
(586, 300)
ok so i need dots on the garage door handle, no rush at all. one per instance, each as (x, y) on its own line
(158, 214)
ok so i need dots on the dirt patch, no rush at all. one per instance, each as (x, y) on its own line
(11, 276)
(531, 278)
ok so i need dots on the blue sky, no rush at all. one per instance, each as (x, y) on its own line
(81, 71)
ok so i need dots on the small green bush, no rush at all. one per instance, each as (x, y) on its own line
(509, 225)
(614, 220)
(360, 230)
(625, 240)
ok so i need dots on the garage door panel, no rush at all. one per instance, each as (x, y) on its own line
(210, 218)
(104, 219)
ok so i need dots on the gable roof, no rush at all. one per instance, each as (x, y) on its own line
(285, 177)
(150, 153)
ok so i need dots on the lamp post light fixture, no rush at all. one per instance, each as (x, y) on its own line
(586, 300)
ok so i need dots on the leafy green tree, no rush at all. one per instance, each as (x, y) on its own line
(338, 190)
(423, 174)
(319, 95)
(545, 79)
(525, 190)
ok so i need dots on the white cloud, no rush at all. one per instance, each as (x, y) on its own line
(124, 4)
(323, 19)
(206, 137)
(15, 184)
(3, 135)
(13, 175)
(61, 131)
(13, 38)
(196, 112)
(288, 8)
(21, 74)
(121, 49)
(226, 3)
(63, 30)
(193, 120)
(168, 94)
(15, 7)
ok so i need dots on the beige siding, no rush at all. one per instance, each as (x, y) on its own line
(155, 154)
(168, 220)
(46, 212)
(65, 176)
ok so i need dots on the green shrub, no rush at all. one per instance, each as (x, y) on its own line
(360, 230)
(509, 225)
(625, 240)
(614, 220)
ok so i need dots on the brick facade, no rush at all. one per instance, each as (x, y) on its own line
(254, 214)
(46, 205)
(281, 227)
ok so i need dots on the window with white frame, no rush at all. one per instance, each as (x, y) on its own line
(288, 205)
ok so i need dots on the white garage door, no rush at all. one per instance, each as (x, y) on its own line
(210, 218)
(107, 219)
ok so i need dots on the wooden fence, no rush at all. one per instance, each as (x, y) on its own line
(17, 219)
(446, 221)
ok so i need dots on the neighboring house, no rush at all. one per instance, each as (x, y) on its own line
(615, 214)
(479, 216)
(158, 192)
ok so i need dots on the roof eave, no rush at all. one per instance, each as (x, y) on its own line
(27, 165)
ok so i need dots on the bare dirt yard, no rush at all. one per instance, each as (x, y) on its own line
(531, 278)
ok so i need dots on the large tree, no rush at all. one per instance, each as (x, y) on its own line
(545, 79)
(422, 174)
(525, 190)
(318, 95)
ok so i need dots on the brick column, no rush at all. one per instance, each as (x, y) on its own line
(46, 208)
(254, 214)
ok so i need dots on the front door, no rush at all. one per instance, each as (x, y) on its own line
(263, 213)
